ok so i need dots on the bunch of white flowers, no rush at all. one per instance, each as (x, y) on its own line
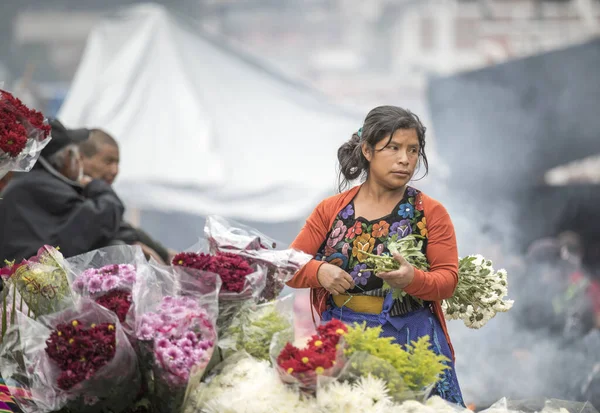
(480, 293)
(247, 385)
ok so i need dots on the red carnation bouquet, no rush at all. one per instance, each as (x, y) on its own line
(322, 356)
(23, 134)
(86, 364)
(256, 248)
(241, 282)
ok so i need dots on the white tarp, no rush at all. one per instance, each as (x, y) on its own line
(203, 129)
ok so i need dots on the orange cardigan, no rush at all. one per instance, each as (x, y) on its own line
(442, 254)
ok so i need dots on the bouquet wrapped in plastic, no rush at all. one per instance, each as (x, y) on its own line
(175, 327)
(241, 282)
(410, 373)
(23, 134)
(107, 276)
(42, 282)
(322, 356)
(79, 358)
(11, 300)
(244, 384)
(479, 295)
(540, 406)
(253, 328)
(256, 248)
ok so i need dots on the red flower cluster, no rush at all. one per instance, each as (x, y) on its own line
(15, 118)
(79, 351)
(320, 353)
(117, 301)
(232, 268)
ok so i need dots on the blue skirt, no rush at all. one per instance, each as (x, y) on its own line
(406, 329)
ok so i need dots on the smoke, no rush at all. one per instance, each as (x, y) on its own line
(523, 354)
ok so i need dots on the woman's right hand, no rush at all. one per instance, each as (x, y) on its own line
(334, 279)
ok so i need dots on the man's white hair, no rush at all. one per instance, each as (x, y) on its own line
(57, 160)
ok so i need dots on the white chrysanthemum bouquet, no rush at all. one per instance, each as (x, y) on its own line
(480, 292)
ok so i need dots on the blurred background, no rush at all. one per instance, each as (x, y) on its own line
(237, 108)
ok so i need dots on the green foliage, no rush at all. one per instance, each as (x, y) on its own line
(417, 366)
(253, 329)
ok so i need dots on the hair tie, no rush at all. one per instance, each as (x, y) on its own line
(359, 133)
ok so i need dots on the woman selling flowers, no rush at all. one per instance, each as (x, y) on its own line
(345, 229)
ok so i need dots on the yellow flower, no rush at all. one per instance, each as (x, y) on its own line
(340, 331)
(304, 360)
(318, 343)
(423, 227)
(361, 245)
(111, 327)
(290, 370)
(71, 340)
(319, 370)
(93, 325)
(75, 323)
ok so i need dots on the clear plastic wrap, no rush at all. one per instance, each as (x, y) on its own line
(240, 282)
(42, 282)
(108, 276)
(23, 135)
(230, 303)
(230, 236)
(322, 356)
(505, 405)
(244, 384)
(361, 364)
(12, 302)
(176, 311)
(29, 360)
(253, 328)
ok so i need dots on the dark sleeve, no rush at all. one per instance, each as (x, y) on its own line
(127, 234)
(144, 238)
(90, 219)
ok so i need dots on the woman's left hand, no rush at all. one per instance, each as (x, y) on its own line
(401, 277)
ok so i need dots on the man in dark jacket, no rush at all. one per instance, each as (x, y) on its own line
(100, 157)
(55, 204)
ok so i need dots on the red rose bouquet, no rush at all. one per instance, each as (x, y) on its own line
(258, 249)
(321, 356)
(23, 134)
(79, 358)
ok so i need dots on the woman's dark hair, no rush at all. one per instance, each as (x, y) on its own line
(380, 123)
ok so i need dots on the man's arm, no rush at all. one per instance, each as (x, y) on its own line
(90, 219)
(154, 245)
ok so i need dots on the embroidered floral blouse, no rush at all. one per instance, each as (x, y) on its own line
(442, 253)
(351, 237)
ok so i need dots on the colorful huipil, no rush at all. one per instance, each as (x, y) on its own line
(347, 243)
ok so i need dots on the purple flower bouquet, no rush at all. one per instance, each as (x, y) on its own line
(177, 342)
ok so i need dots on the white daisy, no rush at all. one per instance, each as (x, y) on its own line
(372, 388)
